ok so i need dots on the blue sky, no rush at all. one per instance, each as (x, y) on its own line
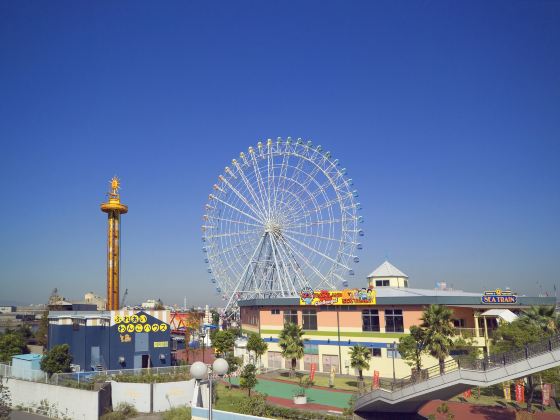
(446, 114)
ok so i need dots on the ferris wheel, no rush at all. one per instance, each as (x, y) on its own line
(281, 218)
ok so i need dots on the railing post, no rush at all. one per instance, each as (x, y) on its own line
(504, 359)
(458, 364)
(550, 344)
(484, 365)
(526, 351)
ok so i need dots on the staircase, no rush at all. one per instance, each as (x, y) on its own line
(408, 395)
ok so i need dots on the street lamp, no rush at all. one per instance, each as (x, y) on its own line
(394, 347)
(200, 371)
(202, 335)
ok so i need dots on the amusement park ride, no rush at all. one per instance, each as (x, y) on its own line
(283, 217)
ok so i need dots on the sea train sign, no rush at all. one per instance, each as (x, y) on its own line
(337, 297)
(499, 296)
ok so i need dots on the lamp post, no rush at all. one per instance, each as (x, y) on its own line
(394, 346)
(200, 371)
(202, 336)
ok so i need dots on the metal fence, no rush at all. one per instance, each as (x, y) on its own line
(487, 363)
(86, 380)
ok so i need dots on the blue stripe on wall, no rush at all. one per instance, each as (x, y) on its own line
(346, 343)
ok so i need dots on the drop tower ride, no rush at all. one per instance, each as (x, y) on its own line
(114, 208)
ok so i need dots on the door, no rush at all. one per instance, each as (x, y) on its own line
(145, 361)
(137, 361)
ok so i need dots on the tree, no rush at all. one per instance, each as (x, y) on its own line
(42, 332)
(437, 325)
(57, 360)
(248, 378)
(233, 365)
(411, 347)
(543, 316)
(11, 344)
(525, 330)
(256, 344)
(359, 359)
(290, 341)
(5, 401)
(223, 342)
(215, 317)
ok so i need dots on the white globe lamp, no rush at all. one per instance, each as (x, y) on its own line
(220, 367)
(199, 370)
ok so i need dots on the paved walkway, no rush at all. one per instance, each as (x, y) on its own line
(329, 399)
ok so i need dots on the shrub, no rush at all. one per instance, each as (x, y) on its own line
(121, 412)
(178, 413)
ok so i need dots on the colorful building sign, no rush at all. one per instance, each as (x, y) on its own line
(136, 323)
(337, 297)
(499, 296)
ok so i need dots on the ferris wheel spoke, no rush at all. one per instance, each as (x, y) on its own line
(241, 197)
(298, 276)
(236, 209)
(247, 267)
(311, 266)
(233, 234)
(260, 184)
(285, 279)
(250, 188)
(316, 251)
(316, 223)
(239, 222)
(310, 235)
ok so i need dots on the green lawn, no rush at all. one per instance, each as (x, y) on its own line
(317, 396)
(345, 383)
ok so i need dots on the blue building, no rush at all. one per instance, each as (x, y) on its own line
(105, 340)
(27, 366)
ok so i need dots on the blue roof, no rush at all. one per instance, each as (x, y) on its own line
(28, 356)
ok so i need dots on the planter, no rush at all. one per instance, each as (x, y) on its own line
(300, 399)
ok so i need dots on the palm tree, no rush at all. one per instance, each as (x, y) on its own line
(359, 359)
(543, 316)
(437, 323)
(291, 342)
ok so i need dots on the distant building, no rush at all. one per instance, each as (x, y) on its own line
(123, 339)
(7, 309)
(152, 304)
(92, 298)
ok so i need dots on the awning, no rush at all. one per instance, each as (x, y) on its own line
(505, 314)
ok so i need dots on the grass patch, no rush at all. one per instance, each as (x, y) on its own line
(345, 383)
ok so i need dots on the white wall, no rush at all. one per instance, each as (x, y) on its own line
(136, 394)
(165, 395)
(172, 394)
(77, 404)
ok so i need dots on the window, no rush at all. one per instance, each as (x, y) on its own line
(309, 317)
(330, 361)
(309, 359)
(393, 353)
(275, 312)
(370, 320)
(375, 352)
(459, 323)
(290, 315)
(394, 320)
(381, 283)
(309, 348)
(274, 360)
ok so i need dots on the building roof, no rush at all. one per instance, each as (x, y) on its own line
(30, 356)
(407, 296)
(386, 269)
(505, 314)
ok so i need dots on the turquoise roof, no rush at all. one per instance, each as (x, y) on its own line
(30, 356)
